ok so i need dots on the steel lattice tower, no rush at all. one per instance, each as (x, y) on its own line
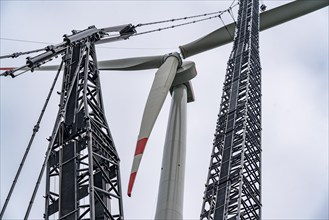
(233, 189)
(83, 177)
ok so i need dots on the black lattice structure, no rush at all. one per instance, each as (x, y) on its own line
(83, 176)
(233, 188)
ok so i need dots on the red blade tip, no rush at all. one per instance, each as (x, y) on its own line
(7, 68)
(131, 183)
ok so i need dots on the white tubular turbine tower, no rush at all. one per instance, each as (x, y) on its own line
(81, 163)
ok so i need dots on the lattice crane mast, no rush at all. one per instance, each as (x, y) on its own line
(233, 188)
(81, 154)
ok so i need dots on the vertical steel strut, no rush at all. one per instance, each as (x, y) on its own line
(233, 188)
(83, 176)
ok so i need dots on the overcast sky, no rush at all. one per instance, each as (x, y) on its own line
(294, 59)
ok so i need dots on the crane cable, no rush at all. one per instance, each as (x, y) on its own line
(178, 25)
(60, 115)
(232, 15)
(178, 19)
(188, 17)
(218, 15)
(214, 15)
(37, 126)
(17, 54)
(35, 130)
(225, 27)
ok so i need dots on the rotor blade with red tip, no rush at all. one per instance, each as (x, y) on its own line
(159, 90)
(40, 68)
(7, 68)
(126, 64)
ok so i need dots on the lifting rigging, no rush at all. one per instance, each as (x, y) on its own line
(81, 142)
(74, 133)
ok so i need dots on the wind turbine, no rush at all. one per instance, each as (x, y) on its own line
(173, 75)
(217, 38)
(206, 47)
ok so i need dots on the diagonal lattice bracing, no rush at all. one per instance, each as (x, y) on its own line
(233, 189)
(83, 176)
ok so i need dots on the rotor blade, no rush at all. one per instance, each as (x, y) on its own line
(268, 19)
(40, 68)
(7, 68)
(159, 90)
(136, 63)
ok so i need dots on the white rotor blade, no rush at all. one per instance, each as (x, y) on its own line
(159, 90)
(268, 19)
(136, 63)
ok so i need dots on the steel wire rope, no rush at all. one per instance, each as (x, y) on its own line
(35, 130)
(174, 26)
(101, 47)
(186, 23)
(225, 27)
(36, 127)
(177, 19)
(231, 6)
(112, 48)
(17, 54)
(232, 16)
(61, 111)
(229, 10)
(185, 18)
(10, 71)
(29, 41)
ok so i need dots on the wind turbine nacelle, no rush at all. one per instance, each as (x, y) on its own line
(183, 76)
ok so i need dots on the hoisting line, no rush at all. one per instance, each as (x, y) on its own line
(225, 26)
(178, 25)
(35, 130)
(17, 54)
(179, 19)
(61, 111)
(218, 15)
(215, 15)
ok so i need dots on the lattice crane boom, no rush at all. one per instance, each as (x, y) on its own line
(233, 188)
(82, 156)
